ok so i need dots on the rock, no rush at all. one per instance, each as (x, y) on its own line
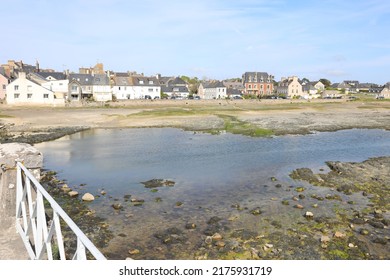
(339, 234)
(364, 231)
(378, 211)
(285, 202)
(179, 203)
(190, 226)
(134, 252)
(273, 179)
(117, 206)
(358, 221)
(351, 245)
(301, 196)
(220, 244)
(65, 188)
(88, 197)
(309, 215)
(315, 205)
(325, 239)
(208, 240)
(380, 240)
(376, 224)
(278, 185)
(137, 200)
(103, 193)
(256, 211)
(216, 236)
(300, 189)
(295, 198)
(299, 206)
(73, 193)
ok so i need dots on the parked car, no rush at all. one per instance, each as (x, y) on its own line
(237, 97)
(197, 97)
(380, 97)
(148, 97)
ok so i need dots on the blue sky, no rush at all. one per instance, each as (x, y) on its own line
(333, 39)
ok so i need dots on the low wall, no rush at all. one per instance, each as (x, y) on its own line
(9, 154)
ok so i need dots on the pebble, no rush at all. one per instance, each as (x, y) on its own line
(309, 215)
(88, 197)
(216, 236)
(364, 231)
(208, 240)
(220, 244)
(134, 252)
(339, 234)
(190, 226)
(315, 205)
(325, 239)
(350, 245)
(103, 193)
(65, 188)
(73, 193)
(299, 206)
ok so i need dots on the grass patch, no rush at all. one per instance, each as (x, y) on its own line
(5, 116)
(235, 126)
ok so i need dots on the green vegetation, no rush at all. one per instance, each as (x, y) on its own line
(235, 126)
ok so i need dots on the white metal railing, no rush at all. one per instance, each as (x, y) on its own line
(40, 235)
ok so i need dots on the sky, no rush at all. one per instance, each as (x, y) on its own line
(216, 39)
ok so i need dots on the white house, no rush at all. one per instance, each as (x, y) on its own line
(212, 90)
(54, 81)
(25, 91)
(122, 87)
(145, 87)
(101, 88)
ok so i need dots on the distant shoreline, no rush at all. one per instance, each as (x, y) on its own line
(275, 117)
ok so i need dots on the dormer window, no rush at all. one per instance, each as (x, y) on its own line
(141, 82)
(150, 82)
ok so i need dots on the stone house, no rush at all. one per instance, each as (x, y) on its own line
(80, 87)
(386, 91)
(258, 83)
(212, 90)
(289, 87)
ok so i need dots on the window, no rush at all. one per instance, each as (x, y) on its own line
(119, 88)
(16, 95)
(16, 87)
(29, 88)
(254, 86)
(60, 84)
(29, 95)
(141, 82)
(74, 88)
(249, 86)
(45, 95)
(150, 82)
(150, 90)
(4, 86)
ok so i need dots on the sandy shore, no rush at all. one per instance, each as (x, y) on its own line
(279, 116)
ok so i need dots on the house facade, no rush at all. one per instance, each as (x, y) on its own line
(80, 87)
(212, 90)
(25, 91)
(258, 83)
(54, 81)
(176, 87)
(101, 88)
(386, 91)
(290, 87)
(3, 85)
(122, 87)
(145, 87)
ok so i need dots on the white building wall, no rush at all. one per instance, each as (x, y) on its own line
(141, 91)
(102, 93)
(24, 91)
(123, 92)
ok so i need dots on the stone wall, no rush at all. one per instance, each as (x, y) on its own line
(9, 154)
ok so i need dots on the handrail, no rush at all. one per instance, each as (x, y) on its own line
(37, 233)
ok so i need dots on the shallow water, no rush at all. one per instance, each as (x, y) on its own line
(212, 172)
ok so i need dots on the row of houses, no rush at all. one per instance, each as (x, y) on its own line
(27, 84)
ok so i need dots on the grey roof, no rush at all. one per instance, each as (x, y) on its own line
(83, 79)
(101, 80)
(233, 91)
(123, 81)
(174, 88)
(177, 81)
(55, 75)
(145, 81)
(213, 84)
(165, 80)
(255, 76)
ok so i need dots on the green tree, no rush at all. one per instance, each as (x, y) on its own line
(326, 82)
